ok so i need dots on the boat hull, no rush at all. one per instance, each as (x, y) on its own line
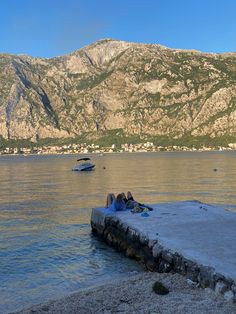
(84, 167)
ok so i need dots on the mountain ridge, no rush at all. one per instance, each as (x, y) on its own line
(143, 89)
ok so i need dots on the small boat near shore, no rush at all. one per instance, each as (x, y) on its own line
(84, 165)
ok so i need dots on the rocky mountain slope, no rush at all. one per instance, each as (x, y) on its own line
(141, 88)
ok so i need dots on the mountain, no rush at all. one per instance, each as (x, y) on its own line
(143, 89)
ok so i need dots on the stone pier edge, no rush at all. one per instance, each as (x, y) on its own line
(156, 257)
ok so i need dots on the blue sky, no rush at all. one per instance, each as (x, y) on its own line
(48, 28)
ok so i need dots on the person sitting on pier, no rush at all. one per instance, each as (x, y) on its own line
(121, 202)
(116, 203)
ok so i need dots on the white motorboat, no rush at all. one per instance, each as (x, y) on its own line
(84, 165)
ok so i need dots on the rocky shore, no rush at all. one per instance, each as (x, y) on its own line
(135, 295)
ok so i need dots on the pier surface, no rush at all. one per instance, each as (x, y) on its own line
(189, 237)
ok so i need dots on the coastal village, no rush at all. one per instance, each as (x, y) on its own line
(92, 148)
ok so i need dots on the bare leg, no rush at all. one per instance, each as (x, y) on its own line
(123, 194)
(110, 198)
(129, 196)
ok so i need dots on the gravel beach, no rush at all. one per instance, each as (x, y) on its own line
(135, 295)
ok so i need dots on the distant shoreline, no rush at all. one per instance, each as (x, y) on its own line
(124, 152)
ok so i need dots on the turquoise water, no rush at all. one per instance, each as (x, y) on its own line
(46, 246)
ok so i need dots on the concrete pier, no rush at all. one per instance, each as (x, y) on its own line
(190, 238)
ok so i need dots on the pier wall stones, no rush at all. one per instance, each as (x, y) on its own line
(137, 238)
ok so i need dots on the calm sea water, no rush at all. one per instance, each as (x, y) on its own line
(46, 246)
